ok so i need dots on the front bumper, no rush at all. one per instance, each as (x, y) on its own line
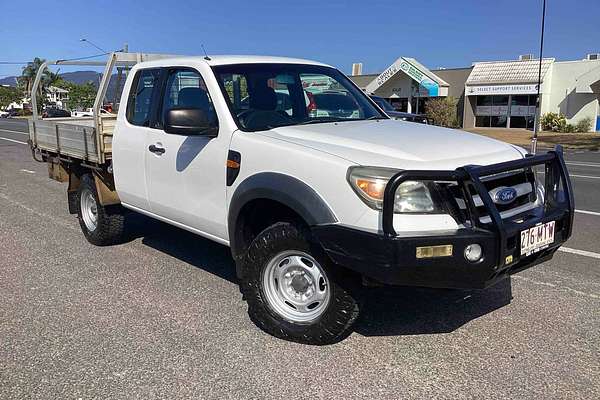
(391, 258)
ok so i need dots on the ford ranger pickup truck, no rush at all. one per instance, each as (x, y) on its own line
(313, 198)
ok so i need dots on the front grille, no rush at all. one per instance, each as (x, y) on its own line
(523, 181)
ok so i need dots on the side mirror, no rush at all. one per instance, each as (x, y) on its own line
(188, 121)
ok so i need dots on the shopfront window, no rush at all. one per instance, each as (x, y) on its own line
(522, 111)
(505, 111)
(400, 104)
(418, 104)
(491, 111)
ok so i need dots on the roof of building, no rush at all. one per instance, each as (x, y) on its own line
(363, 80)
(427, 71)
(491, 72)
(54, 89)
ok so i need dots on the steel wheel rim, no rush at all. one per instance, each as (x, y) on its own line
(296, 286)
(89, 210)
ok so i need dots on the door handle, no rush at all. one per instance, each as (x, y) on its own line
(156, 150)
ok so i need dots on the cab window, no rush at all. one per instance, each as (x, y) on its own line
(186, 89)
(139, 103)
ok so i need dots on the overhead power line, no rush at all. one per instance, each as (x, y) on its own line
(60, 59)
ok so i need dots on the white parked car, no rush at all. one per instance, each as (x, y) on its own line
(311, 204)
(88, 112)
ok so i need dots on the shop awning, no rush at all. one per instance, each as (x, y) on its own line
(506, 77)
(415, 70)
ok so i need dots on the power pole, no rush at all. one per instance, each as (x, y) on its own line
(539, 86)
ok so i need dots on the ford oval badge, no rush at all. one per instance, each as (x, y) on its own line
(505, 195)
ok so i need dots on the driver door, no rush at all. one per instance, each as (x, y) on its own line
(186, 173)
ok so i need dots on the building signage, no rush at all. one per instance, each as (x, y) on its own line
(501, 89)
(409, 69)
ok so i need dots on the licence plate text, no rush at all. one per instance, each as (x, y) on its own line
(537, 238)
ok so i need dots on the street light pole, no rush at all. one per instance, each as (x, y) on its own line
(539, 85)
(92, 44)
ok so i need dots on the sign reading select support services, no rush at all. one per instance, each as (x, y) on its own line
(501, 89)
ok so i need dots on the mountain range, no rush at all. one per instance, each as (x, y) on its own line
(78, 77)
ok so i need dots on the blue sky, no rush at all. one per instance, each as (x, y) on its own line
(449, 33)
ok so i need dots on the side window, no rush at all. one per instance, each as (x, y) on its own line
(139, 102)
(186, 89)
(236, 87)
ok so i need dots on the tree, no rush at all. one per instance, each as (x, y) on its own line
(25, 81)
(442, 111)
(80, 96)
(9, 95)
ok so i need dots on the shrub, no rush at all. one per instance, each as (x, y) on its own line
(584, 125)
(568, 128)
(553, 122)
(442, 111)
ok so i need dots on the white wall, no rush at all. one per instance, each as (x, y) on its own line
(399, 84)
(563, 98)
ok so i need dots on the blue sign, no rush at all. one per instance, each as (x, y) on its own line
(431, 86)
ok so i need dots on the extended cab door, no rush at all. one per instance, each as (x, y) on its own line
(129, 142)
(185, 174)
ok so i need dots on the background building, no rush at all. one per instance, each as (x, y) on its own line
(57, 96)
(498, 94)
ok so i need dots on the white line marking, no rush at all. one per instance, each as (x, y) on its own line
(588, 212)
(555, 286)
(28, 171)
(578, 176)
(583, 164)
(585, 176)
(584, 253)
(9, 131)
(12, 140)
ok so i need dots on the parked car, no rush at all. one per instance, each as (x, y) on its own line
(4, 114)
(310, 205)
(89, 112)
(14, 112)
(334, 104)
(403, 116)
(55, 113)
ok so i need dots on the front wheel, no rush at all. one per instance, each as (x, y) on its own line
(292, 289)
(101, 225)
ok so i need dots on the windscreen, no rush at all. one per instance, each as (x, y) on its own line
(266, 96)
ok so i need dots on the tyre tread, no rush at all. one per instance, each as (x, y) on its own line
(333, 326)
(111, 219)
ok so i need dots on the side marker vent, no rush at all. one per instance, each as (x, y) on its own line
(234, 160)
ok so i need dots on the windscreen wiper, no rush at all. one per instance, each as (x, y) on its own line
(320, 120)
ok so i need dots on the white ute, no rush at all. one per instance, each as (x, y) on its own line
(313, 197)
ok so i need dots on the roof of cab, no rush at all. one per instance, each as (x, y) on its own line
(232, 59)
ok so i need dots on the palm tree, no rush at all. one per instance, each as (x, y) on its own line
(28, 75)
(27, 78)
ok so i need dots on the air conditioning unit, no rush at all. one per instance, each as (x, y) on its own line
(526, 57)
(593, 56)
(357, 69)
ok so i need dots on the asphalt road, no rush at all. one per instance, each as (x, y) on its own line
(161, 316)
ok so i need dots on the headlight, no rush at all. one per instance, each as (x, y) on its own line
(411, 196)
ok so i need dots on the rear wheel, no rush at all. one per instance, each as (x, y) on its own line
(293, 291)
(101, 225)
